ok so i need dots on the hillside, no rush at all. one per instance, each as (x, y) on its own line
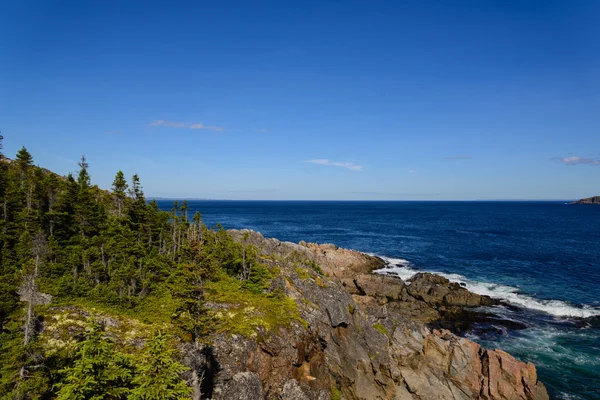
(106, 296)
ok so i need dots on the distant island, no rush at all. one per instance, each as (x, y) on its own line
(589, 200)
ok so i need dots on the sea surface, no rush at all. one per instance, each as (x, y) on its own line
(542, 258)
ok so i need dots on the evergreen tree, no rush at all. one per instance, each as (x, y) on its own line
(158, 373)
(120, 192)
(138, 207)
(99, 372)
(24, 158)
(58, 237)
(84, 198)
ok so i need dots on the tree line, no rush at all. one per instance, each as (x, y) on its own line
(65, 241)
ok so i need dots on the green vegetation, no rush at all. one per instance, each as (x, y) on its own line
(70, 251)
(316, 267)
(303, 273)
(246, 310)
(99, 371)
(382, 329)
(336, 394)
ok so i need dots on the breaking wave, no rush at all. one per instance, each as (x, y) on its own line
(403, 269)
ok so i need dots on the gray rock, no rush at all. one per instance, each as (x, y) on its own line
(389, 287)
(243, 386)
(292, 391)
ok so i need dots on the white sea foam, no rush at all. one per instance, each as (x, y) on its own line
(403, 269)
(398, 267)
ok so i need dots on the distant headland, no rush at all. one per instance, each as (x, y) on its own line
(589, 200)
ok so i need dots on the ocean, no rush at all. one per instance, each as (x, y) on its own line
(542, 258)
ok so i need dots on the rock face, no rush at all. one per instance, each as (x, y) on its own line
(364, 338)
(334, 261)
(589, 200)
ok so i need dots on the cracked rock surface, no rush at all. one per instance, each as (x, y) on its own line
(365, 337)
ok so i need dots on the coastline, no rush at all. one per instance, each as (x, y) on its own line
(385, 337)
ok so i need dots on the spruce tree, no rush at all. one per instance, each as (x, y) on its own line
(24, 158)
(138, 208)
(99, 372)
(84, 197)
(120, 191)
(24, 161)
(157, 376)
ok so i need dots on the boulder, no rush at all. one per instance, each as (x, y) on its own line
(385, 286)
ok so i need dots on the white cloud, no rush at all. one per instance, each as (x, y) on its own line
(162, 122)
(574, 160)
(200, 125)
(172, 124)
(347, 165)
(412, 171)
(175, 124)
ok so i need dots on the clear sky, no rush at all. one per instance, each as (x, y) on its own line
(309, 100)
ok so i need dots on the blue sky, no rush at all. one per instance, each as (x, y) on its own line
(310, 100)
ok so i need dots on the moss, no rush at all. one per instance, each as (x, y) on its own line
(320, 282)
(358, 328)
(64, 324)
(382, 329)
(275, 271)
(303, 273)
(245, 311)
(351, 309)
(336, 394)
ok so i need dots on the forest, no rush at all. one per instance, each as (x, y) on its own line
(66, 244)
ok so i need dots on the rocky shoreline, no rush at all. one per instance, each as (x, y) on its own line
(367, 336)
(588, 200)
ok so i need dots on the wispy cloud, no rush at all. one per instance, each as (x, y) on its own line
(459, 158)
(412, 171)
(347, 165)
(574, 160)
(173, 124)
(261, 131)
(384, 194)
(252, 191)
(200, 125)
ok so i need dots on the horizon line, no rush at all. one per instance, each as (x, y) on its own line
(349, 200)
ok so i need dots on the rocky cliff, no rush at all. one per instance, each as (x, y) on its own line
(589, 200)
(364, 337)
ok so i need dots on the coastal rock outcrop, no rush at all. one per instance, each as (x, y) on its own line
(363, 337)
(334, 261)
(588, 200)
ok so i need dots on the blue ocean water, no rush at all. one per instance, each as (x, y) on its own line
(543, 258)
